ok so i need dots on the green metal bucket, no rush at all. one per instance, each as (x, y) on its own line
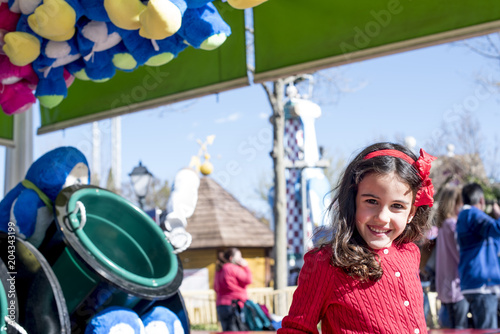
(115, 255)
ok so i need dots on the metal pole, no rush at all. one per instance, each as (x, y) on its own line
(141, 202)
(303, 192)
(116, 152)
(96, 154)
(280, 233)
(19, 159)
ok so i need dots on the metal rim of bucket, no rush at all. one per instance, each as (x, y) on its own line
(58, 300)
(4, 312)
(98, 262)
(34, 260)
(8, 301)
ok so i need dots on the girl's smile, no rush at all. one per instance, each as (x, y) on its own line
(384, 205)
(375, 230)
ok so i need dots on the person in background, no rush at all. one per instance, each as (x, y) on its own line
(232, 276)
(427, 271)
(447, 257)
(364, 278)
(478, 267)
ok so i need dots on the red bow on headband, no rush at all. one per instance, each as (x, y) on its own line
(425, 194)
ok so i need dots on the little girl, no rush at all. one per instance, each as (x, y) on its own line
(447, 257)
(364, 278)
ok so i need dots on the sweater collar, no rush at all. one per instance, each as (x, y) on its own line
(385, 251)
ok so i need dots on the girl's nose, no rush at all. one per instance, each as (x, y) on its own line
(383, 215)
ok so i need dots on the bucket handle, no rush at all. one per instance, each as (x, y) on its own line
(83, 214)
(15, 325)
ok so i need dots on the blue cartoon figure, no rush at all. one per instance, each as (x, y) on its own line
(161, 320)
(30, 204)
(121, 320)
(115, 320)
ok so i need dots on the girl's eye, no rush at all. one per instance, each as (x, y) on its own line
(398, 206)
(371, 201)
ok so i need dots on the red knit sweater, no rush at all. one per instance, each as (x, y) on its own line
(394, 304)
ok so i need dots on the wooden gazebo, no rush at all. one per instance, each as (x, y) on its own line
(220, 221)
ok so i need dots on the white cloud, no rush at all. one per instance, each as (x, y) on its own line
(264, 115)
(231, 118)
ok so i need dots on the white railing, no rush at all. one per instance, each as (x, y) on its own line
(200, 304)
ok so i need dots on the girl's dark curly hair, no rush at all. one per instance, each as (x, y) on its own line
(350, 251)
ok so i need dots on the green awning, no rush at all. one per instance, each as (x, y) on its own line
(293, 36)
(192, 74)
(6, 129)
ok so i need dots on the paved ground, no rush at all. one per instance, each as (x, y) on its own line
(432, 331)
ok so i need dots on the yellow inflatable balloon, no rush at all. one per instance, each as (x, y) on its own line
(54, 20)
(244, 4)
(21, 48)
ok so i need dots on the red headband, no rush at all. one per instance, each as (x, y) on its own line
(425, 194)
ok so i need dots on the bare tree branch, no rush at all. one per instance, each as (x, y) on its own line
(485, 46)
(481, 52)
(493, 45)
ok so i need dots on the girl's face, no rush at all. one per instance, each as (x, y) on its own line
(384, 205)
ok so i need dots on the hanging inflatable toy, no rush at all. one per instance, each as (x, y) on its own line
(121, 34)
(16, 82)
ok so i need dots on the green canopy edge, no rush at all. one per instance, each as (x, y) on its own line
(6, 129)
(313, 35)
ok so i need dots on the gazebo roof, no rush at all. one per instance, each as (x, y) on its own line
(219, 220)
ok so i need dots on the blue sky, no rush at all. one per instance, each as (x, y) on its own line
(407, 94)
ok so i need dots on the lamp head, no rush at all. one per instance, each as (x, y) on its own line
(141, 179)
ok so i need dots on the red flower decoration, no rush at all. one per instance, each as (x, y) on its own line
(425, 194)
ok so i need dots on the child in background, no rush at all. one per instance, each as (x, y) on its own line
(447, 257)
(478, 235)
(364, 277)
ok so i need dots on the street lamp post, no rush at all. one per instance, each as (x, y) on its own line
(140, 178)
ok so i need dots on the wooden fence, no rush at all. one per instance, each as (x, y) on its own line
(200, 304)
